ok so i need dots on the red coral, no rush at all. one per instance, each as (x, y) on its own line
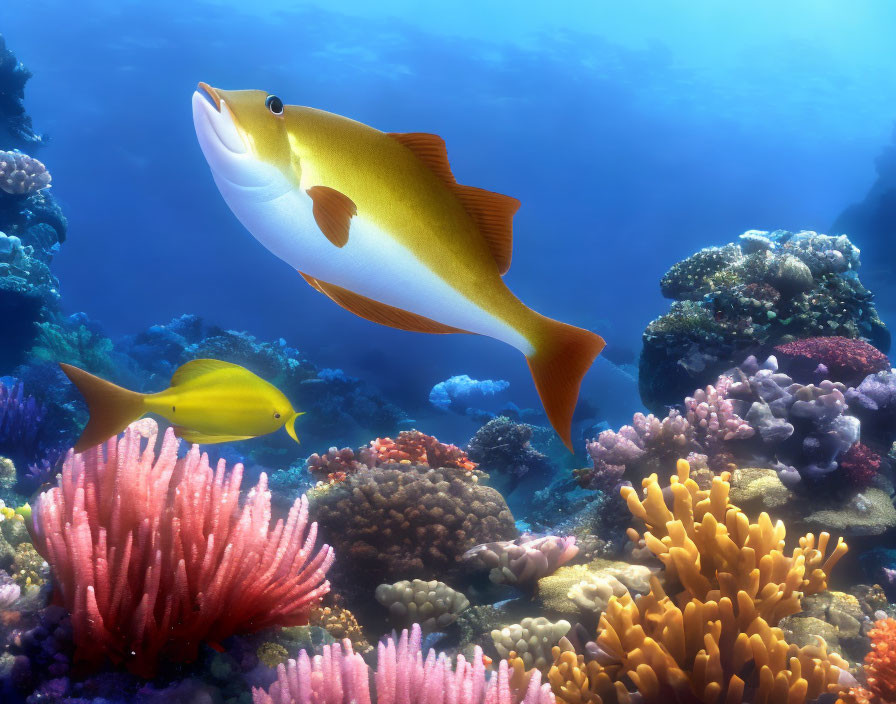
(333, 463)
(846, 360)
(153, 556)
(418, 448)
(880, 667)
(860, 464)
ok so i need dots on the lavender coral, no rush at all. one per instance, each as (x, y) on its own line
(524, 561)
(153, 555)
(339, 675)
(21, 174)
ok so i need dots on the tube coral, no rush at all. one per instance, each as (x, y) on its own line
(340, 675)
(153, 555)
(716, 640)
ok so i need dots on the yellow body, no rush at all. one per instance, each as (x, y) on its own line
(209, 401)
(377, 222)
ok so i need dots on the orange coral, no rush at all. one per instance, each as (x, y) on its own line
(716, 640)
(418, 448)
(880, 667)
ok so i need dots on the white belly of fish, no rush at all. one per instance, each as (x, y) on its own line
(372, 264)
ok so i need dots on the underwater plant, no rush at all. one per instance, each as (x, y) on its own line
(403, 676)
(153, 555)
(711, 634)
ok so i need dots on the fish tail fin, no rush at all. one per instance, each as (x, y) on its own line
(563, 354)
(111, 407)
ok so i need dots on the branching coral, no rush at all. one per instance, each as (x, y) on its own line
(524, 561)
(716, 638)
(880, 667)
(153, 555)
(419, 448)
(339, 675)
(840, 358)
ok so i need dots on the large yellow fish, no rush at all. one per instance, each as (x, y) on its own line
(208, 401)
(377, 222)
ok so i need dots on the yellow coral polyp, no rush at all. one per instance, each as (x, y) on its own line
(734, 584)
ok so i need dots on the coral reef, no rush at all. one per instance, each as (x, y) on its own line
(433, 605)
(532, 640)
(340, 623)
(716, 637)
(522, 562)
(401, 521)
(769, 289)
(566, 591)
(153, 555)
(457, 392)
(402, 676)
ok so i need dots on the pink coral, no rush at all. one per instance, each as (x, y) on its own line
(860, 464)
(713, 418)
(339, 675)
(843, 359)
(153, 555)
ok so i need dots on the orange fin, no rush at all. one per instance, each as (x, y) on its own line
(562, 357)
(112, 408)
(493, 215)
(492, 212)
(333, 212)
(431, 150)
(377, 312)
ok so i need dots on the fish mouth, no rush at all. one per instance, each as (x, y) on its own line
(210, 94)
(215, 122)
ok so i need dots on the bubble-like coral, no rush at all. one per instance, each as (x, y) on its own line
(21, 174)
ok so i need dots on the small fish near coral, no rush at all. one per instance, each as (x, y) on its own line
(209, 401)
(329, 195)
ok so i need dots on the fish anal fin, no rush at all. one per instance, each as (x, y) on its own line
(377, 312)
(333, 212)
(200, 367)
(493, 214)
(431, 150)
(206, 438)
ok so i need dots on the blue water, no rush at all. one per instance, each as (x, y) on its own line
(632, 135)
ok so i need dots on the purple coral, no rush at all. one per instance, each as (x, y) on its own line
(712, 416)
(9, 591)
(21, 174)
(522, 562)
(340, 675)
(21, 417)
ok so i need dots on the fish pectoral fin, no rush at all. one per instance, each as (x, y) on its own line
(205, 438)
(200, 367)
(377, 312)
(492, 212)
(333, 212)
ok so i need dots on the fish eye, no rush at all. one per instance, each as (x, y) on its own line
(276, 415)
(274, 104)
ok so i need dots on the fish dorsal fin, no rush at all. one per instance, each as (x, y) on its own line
(200, 367)
(377, 312)
(430, 149)
(492, 212)
(493, 215)
(333, 212)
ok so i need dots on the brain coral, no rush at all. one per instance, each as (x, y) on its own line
(401, 521)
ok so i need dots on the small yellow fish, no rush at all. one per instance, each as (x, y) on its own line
(377, 222)
(208, 401)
